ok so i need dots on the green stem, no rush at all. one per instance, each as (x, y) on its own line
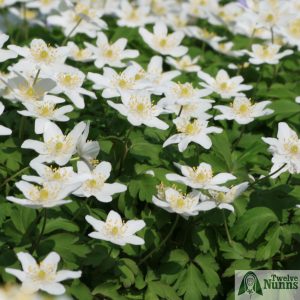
(266, 177)
(237, 141)
(70, 33)
(289, 179)
(226, 228)
(14, 176)
(36, 77)
(41, 233)
(162, 242)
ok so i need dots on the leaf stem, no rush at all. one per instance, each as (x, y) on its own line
(226, 228)
(70, 33)
(268, 176)
(13, 176)
(41, 233)
(162, 242)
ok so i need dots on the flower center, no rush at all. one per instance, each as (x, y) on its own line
(46, 109)
(42, 275)
(69, 80)
(294, 28)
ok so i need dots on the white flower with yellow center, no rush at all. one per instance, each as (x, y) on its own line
(157, 77)
(162, 42)
(112, 54)
(243, 111)
(267, 54)
(79, 54)
(201, 177)
(5, 54)
(139, 110)
(69, 81)
(185, 63)
(96, 184)
(26, 90)
(56, 147)
(4, 130)
(42, 276)
(114, 84)
(5, 3)
(59, 175)
(81, 18)
(223, 85)
(45, 6)
(46, 195)
(133, 16)
(191, 130)
(44, 111)
(223, 200)
(40, 54)
(182, 94)
(115, 230)
(285, 150)
(225, 48)
(291, 30)
(86, 149)
(174, 201)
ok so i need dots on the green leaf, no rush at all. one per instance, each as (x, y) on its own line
(109, 289)
(253, 223)
(162, 290)
(191, 283)
(272, 246)
(60, 224)
(22, 217)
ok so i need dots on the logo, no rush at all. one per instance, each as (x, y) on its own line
(250, 284)
(267, 284)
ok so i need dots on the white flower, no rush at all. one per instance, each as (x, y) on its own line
(96, 184)
(69, 81)
(41, 55)
(291, 31)
(133, 16)
(243, 111)
(82, 17)
(201, 177)
(225, 48)
(5, 3)
(56, 147)
(78, 54)
(4, 130)
(174, 201)
(196, 109)
(223, 85)
(43, 276)
(111, 54)
(139, 110)
(162, 42)
(223, 200)
(46, 195)
(61, 176)
(26, 90)
(45, 6)
(266, 54)
(114, 84)
(87, 150)
(157, 77)
(185, 63)
(5, 54)
(115, 230)
(44, 111)
(182, 94)
(285, 150)
(191, 131)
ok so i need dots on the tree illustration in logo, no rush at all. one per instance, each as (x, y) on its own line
(250, 284)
